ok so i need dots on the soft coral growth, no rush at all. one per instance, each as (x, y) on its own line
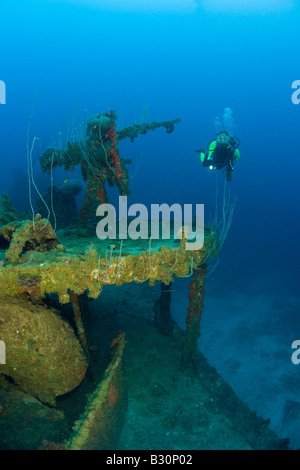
(114, 152)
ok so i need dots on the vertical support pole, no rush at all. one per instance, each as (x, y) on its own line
(196, 295)
(163, 317)
(76, 304)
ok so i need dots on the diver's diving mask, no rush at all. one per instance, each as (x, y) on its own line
(223, 139)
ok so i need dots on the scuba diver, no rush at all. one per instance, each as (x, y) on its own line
(222, 153)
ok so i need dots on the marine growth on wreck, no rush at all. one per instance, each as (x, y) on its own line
(48, 277)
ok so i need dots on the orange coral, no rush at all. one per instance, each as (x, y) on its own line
(112, 396)
(114, 152)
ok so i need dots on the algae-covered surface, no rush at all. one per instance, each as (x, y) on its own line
(43, 356)
(169, 406)
(79, 261)
(143, 396)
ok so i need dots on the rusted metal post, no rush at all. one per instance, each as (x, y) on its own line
(193, 318)
(79, 321)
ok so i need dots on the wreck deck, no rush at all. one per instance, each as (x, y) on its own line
(81, 262)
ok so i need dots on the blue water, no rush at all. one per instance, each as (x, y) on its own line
(62, 59)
